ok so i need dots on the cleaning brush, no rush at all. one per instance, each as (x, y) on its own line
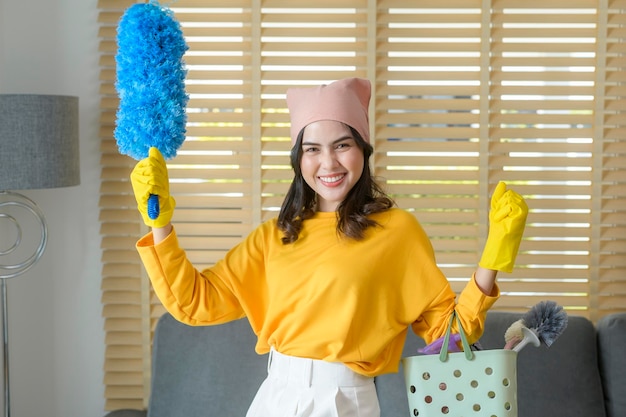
(544, 322)
(514, 334)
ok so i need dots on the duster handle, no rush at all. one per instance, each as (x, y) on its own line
(153, 206)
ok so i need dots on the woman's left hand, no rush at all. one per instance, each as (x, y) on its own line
(507, 220)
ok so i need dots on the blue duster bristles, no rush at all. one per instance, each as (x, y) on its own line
(150, 82)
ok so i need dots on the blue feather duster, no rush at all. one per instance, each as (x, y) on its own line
(150, 82)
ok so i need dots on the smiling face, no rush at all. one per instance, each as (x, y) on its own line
(331, 163)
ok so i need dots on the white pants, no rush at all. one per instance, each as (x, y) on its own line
(298, 387)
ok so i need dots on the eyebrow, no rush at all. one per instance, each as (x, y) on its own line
(341, 139)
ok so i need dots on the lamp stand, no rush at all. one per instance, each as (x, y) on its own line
(5, 345)
(10, 202)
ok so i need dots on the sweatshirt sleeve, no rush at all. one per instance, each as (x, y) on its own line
(191, 296)
(471, 307)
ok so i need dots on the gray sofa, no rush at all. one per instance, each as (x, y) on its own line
(214, 371)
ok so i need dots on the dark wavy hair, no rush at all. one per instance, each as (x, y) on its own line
(365, 198)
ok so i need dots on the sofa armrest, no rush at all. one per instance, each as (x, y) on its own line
(611, 344)
(127, 413)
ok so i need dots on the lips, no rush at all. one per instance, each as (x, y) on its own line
(332, 180)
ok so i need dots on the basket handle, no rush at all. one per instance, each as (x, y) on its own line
(443, 355)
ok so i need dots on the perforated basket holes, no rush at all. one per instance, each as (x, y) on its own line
(464, 395)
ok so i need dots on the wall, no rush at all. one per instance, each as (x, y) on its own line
(56, 329)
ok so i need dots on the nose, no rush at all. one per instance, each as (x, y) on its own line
(328, 159)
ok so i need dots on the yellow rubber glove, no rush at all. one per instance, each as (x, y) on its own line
(507, 219)
(150, 177)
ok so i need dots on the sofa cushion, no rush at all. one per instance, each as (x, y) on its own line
(611, 343)
(196, 370)
(204, 371)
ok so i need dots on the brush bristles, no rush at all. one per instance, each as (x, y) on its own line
(547, 319)
(514, 332)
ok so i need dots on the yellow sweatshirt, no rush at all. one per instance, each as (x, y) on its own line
(325, 296)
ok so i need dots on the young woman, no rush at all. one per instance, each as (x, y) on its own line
(332, 285)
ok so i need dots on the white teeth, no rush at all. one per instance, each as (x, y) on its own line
(332, 179)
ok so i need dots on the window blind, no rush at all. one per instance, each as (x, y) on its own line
(608, 256)
(542, 109)
(465, 93)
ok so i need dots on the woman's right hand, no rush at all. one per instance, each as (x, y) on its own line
(149, 177)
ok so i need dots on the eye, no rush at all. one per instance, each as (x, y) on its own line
(344, 145)
(309, 149)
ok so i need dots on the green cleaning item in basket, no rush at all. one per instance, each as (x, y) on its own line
(468, 383)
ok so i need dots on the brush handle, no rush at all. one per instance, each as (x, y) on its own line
(529, 337)
(153, 206)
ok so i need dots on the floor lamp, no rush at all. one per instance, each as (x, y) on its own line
(38, 149)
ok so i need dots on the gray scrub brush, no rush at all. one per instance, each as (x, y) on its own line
(543, 323)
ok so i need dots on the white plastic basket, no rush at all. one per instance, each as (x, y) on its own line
(463, 384)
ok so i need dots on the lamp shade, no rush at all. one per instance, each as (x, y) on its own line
(38, 141)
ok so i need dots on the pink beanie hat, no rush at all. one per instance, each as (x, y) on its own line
(344, 101)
